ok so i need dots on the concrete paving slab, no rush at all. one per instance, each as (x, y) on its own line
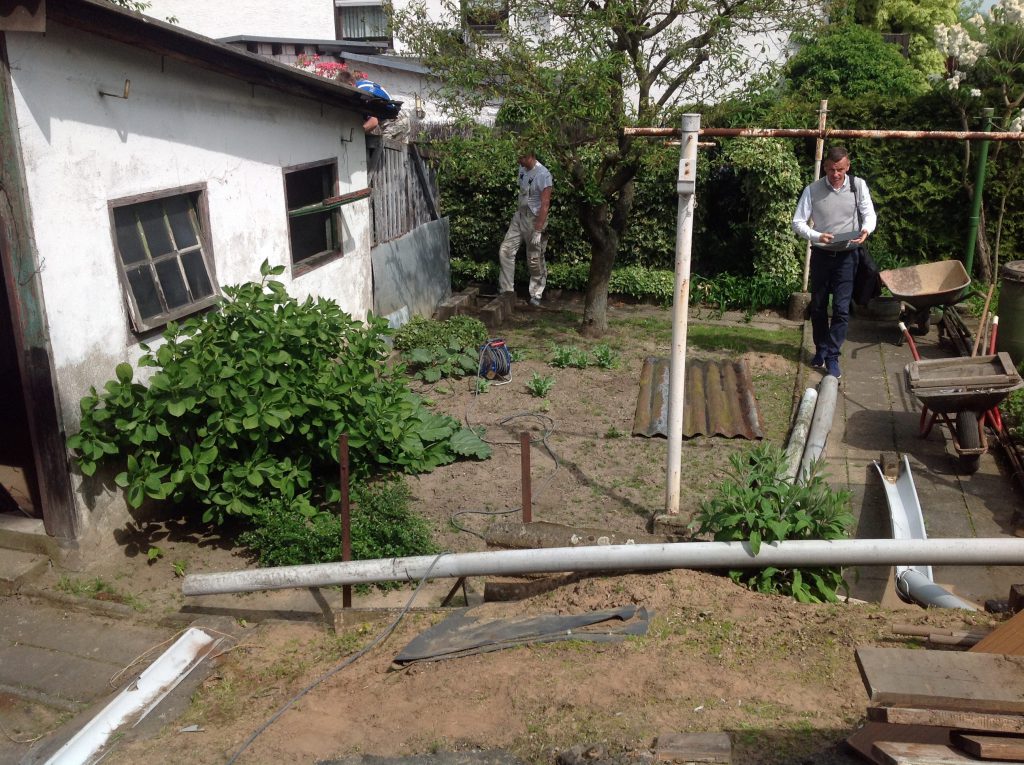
(76, 634)
(54, 674)
(876, 413)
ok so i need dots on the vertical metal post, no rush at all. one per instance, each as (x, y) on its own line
(524, 466)
(346, 517)
(819, 153)
(979, 185)
(686, 186)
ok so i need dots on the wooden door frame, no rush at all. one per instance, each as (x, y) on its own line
(28, 322)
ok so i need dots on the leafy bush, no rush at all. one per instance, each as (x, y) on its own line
(850, 60)
(419, 332)
(382, 526)
(436, 349)
(758, 505)
(248, 402)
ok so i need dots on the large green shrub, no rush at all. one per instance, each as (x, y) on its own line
(248, 402)
(852, 61)
(756, 504)
(381, 526)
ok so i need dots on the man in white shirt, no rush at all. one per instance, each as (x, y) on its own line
(835, 214)
(528, 225)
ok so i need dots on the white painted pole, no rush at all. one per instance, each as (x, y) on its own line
(686, 186)
(645, 557)
(819, 152)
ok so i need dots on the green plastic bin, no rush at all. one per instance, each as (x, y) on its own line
(1011, 311)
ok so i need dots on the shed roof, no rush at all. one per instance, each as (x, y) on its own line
(106, 20)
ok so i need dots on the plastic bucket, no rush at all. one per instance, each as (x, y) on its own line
(1011, 310)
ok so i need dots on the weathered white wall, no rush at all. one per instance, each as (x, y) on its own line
(179, 126)
(309, 19)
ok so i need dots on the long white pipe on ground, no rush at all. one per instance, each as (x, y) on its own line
(652, 557)
(821, 424)
(798, 438)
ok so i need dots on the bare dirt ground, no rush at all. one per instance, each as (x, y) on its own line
(779, 676)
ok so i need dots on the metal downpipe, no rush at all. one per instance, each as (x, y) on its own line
(645, 557)
(915, 587)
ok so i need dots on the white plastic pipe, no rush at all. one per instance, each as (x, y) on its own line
(686, 186)
(914, 586)
(798, 438)
(821, 424)
(652, 557)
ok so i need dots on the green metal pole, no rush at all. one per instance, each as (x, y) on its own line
(979, 184)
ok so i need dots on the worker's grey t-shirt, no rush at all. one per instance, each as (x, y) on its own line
(531, 184)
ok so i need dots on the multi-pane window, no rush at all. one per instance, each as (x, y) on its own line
(164, 257)
(367, 22)
(314, 221)
(485, 16)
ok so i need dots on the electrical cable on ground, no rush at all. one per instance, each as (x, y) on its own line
(344, 663)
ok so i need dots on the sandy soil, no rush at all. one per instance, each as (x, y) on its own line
(780, 676)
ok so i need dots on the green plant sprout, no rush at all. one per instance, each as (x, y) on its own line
(538, 386)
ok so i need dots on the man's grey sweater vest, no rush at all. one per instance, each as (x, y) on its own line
(833, 212)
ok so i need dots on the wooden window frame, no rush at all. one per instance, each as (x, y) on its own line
(204, 246)
(331, 203)
(388, 40)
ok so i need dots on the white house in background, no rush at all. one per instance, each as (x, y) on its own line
(144, 168)
(354, 31)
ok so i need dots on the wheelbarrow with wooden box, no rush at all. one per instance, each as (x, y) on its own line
(962, 393)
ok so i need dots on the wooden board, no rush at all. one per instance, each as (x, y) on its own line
(978, 721)
(978, 682)
(1007, 638)
(895, 753)
(987, 747)
(694, 747)
(864, 738)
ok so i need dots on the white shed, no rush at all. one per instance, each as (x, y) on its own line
(144, 167)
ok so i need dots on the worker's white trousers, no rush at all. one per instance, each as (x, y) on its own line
(520, 231)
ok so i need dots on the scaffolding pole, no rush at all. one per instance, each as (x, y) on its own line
(932, 135)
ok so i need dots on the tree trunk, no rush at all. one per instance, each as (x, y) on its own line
(603, 247)
(603, 233)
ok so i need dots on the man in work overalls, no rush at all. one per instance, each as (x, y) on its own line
(528, 225)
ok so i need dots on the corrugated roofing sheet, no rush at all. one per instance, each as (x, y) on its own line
(719, 400)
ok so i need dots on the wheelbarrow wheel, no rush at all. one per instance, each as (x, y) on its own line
(969, 436)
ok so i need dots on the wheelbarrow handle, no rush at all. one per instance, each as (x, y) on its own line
(910, 341)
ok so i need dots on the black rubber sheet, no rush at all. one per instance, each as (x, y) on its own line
(464, 634)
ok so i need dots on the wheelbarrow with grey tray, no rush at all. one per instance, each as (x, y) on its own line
(926, 286)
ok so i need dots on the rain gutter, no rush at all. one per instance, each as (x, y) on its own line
(914, 583)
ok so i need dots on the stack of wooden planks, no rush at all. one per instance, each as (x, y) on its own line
(940, 707)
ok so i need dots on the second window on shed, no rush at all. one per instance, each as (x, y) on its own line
(314, 221)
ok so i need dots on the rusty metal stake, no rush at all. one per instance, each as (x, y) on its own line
(346, 517)
(524, 449)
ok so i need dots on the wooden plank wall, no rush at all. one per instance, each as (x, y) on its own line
(399, 202)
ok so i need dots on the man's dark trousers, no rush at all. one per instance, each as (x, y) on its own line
(831, 274)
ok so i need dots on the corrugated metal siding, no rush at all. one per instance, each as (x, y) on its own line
(719, 400)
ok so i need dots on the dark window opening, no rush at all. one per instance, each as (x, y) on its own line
(314, 222)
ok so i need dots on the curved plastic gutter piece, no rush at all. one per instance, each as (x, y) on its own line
(913, 583)
(137, 699)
